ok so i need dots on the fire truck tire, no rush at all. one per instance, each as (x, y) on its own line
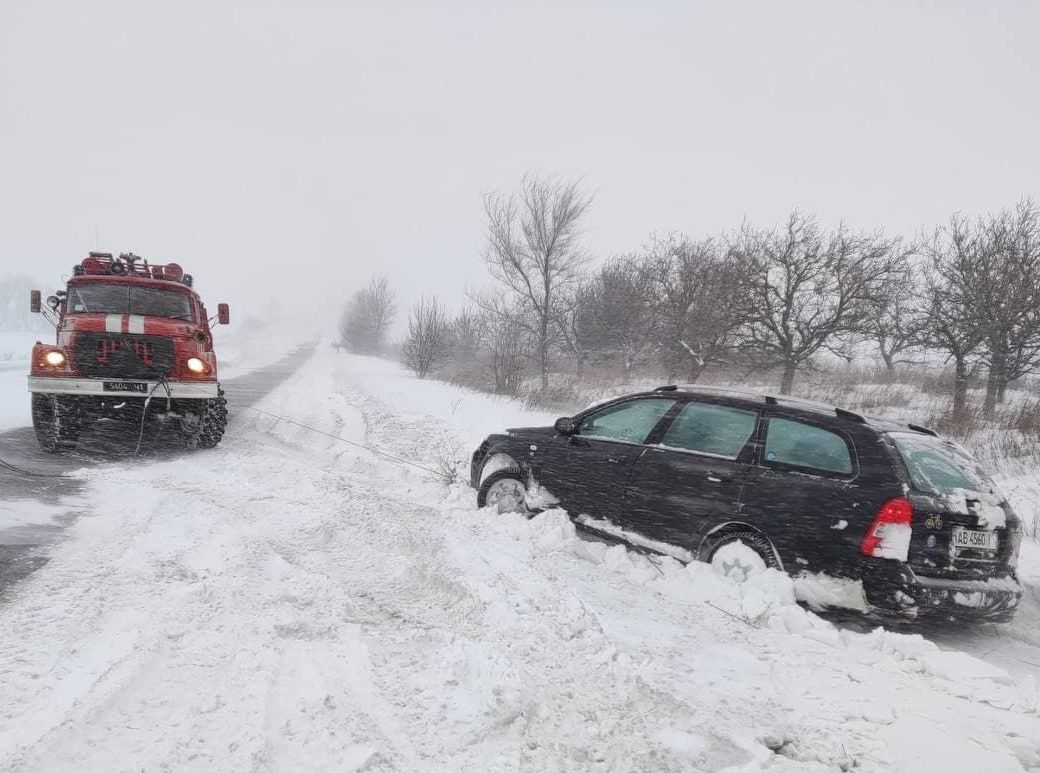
(54, 423)
(212, 423)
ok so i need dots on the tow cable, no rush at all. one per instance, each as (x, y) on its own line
(354, 443)
(162, 382)
(30, 473)
(144, 410)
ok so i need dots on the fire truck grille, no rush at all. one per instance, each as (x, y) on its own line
(123, 356)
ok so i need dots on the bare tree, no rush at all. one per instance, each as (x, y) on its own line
(428, 337)
(508, 350)
(808, 289)
(611, 314)
(894, 323)
(467, 334)
(1005, 294)
(534, 252)
(700, 299)
(367, 317)
(950, 322)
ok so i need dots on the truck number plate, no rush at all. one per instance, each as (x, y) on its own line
(125, 386)
(975, 540)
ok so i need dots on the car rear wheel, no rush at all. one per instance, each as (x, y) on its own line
(738, 556)
(504, 490)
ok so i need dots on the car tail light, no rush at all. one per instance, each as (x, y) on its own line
(889, 534)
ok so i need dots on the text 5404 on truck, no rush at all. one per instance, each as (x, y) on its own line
(130, 337)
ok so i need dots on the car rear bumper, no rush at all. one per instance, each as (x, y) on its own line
(903, 593)
(123, 388)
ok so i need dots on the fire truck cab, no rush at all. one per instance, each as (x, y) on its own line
(132, 338)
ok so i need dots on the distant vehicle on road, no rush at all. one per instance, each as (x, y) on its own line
(905, 522)
(130, 335)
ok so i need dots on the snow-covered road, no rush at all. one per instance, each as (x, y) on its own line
(288, 602)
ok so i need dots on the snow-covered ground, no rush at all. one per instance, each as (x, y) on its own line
(289, 602)
(15, 347)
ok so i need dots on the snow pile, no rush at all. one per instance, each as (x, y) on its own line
(764, 600)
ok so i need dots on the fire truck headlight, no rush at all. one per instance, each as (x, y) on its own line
(54, 358)
(195, 365)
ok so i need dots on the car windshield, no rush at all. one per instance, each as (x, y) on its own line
(939, 466)
(126, 299)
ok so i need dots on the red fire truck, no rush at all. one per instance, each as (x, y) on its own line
(133, 339)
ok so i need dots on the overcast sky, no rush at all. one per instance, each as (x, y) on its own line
(280, 148)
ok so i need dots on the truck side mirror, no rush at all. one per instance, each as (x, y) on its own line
(35, 305)
(223, 314)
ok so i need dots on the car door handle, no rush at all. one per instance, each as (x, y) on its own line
(617, 459)
(714, 478)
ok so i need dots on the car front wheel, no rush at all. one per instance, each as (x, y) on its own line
(504, 490)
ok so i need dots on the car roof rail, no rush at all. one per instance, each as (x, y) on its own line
(850, 415)
(815, 405)
(708, 389)
(925, 430)
(796, 402)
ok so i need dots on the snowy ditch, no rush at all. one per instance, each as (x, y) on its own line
(289, 603)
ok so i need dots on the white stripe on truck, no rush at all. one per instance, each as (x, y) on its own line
(113, 323)
(136, 324)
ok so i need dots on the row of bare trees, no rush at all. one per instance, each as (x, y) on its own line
(776, 297)
(979, 299)
(779, 298)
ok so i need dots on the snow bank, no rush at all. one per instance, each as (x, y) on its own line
(16, 347)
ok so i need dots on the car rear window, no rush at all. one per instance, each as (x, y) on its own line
(711, 429)
(939, 466)
(805, 445)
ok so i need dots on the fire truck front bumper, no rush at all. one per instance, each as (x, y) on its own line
(123, 388)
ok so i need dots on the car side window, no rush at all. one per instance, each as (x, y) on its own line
(711, 429)
(804, 445)
(631, 422)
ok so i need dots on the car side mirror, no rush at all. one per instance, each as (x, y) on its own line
(35, 304)
(566, 426)
(223, 314)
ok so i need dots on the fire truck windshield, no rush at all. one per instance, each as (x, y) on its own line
(124, 299)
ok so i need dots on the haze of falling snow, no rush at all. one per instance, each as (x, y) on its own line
(287, 150)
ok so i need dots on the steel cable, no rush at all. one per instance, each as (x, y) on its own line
(162, 382)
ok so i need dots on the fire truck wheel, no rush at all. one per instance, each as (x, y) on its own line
(209, 427)
(54, 423)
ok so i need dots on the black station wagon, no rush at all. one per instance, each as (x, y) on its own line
(905, 518)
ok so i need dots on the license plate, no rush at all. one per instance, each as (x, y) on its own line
(125, 386)
(975, 540)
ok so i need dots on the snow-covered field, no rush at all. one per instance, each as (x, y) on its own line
(288, 602)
